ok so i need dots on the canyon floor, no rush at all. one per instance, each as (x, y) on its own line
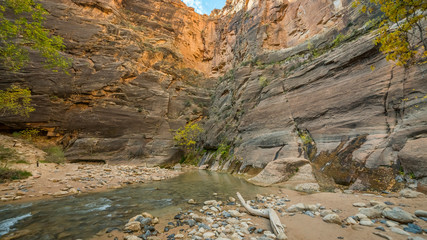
(304, 215)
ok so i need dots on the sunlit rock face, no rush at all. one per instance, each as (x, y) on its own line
(273, 79)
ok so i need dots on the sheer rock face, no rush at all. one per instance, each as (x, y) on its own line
(353, 123)
(138, 72)
(143, 67)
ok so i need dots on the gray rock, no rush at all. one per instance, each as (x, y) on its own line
(308, 187)
(332, 218)
(398, 215)
(133, 226)
(132, 237)
(399, 231)
(382, 235)
(415, 238)
(299, 207)
(420, 213)
(409, 193)
(278, 170)
(208, 235)
(366, 222)
(371, 212)
(359, 204)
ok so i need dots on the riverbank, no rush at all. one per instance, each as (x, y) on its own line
(52, 180)
(350, 215)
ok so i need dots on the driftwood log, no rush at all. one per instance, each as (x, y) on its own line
(275, 223)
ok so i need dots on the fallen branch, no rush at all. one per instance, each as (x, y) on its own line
(275, 223)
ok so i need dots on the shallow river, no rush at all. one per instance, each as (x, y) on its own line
(85, 215)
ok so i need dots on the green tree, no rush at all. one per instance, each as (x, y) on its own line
(15, 100)
(402, 33)
(21, 28)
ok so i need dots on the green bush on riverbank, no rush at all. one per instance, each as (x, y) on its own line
(12, 174)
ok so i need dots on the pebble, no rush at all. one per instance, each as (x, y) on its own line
(416, 238)
(391, 224)
(366, 222)
(208, 235)
(359, 204)
(382, 235)
(399, 231)
(421, 213)
(381, 228)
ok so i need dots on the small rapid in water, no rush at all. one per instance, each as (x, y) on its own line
(85, 215)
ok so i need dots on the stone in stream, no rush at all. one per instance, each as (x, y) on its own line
(191, 201)
(421, 213)
(398, 215)
(366, 222)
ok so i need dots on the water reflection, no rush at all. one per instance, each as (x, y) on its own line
(85, 215)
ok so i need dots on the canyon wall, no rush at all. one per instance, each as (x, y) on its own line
(272, 79)
(303, 79)
(138, 71)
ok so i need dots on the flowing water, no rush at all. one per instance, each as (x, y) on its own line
(85, 215)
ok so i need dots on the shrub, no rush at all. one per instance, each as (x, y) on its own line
(6, 154)
(223, 150)
(29, 133)
(55, 154)
(12, 174)
(188, 136)
(263, 82)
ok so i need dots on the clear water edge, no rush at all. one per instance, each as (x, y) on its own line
(85, 215)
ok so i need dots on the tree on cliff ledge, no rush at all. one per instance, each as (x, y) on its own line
(21, 29)
(402, 33)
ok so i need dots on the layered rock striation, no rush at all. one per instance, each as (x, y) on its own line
(275, 79)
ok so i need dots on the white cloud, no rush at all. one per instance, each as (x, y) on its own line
(196, 4)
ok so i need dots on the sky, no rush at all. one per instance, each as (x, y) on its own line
(205, 6)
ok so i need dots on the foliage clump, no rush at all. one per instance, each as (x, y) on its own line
(263, 82)
(29, 133)
(25, 29)
(12, 174)
(188, 136)
(402, 33)
(6, 154)
(16, 100)
(55, 154)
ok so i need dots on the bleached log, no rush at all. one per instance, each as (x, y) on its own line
(276, 225)
(256, 212)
